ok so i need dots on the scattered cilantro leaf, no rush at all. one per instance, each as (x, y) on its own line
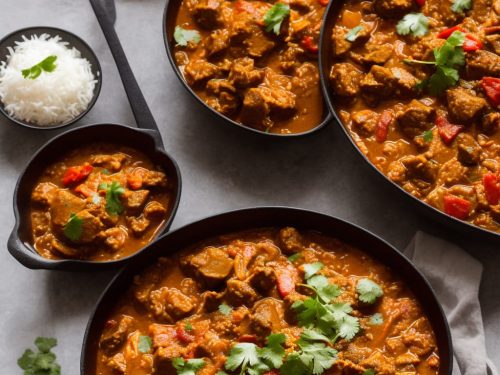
(43, 362)
(460, 6)
(46, 65)
(183, 36)
(242, 355)
(274, 17)
(376, 319)
(311, 269)
(294, 257)
(415, 24)
(113, 192)
(312, 335)
(368, 291)
(188, 326)
(369, 372)
(352, 34)
(273, 352)
(189, 367)
(145, 344)
(225, 309)
(325, 290)
(348, 327)
(220, 372)
(73, 228)
(428, 136)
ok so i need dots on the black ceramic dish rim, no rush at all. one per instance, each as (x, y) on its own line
(149, 257)
(97, 88)
(14, 240)
(326, 108)
(450, 221)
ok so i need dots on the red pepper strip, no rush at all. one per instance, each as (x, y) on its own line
(382, 128)
(245, 6)
(285, 282)
(84, 190)
(420, 3)
(183, 336)
(491, 87)
(76, 174)
(135, 178)
(323, 2)
(492, 30)
(456, 207)
(272, 372)
(447, 131)
(491, 183)
(447, 32)
(247, 338)
(308, 43)
(471, 43)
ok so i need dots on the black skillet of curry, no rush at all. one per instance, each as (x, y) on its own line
(99, 202)
(254, 61)
(417, 85)
(267, 301)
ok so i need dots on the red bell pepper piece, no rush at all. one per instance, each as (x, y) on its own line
(308, 43)
(445, 34)
(447, 131)
(456, 206)
(491, 87)
(471, 43)
(420, 3)
(382, 128)
(183, 336)
(286, 283)
(76, 174)
(248, 338)
(491, 183)
(323, 2)
(245, 6)
(84, 190)
(272, 372)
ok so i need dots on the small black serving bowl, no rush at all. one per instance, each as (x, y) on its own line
(145, 140)
(73, 41)
(325, 62)
(169, 23)
(270, 217)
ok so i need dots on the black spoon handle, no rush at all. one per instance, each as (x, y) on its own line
(142, 114)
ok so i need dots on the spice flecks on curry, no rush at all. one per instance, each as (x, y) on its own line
(99, 202)
(417, 85)
(254, 61)
(267, 301)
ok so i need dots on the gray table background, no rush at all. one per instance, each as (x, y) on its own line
(222, 168)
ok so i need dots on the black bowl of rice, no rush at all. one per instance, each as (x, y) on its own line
(49, 77)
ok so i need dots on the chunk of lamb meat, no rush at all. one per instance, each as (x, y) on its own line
(482, 63)
(170, 304)
(490, 123)
(259, 102)
(62, 206)
(384, 82)
(114, 238)
(380, 363)
(441, 12)
(345, 79)
(155, 179)
(494, 42)
(117, 363)
(154, 210)
(243, 73)
(115, 334)
(290, 241)
(341, 45)
(291, 57)
(44, 193)
(207, 14)
(469, 151)
(91, 226)
(364, 122)
(263, 279)
(211, 266)
(223, 96)
(216, 42)
(415, 118)
(240, 293)
(257, 43)
(306, 77)
(267, 316)
(134, 201)
(376, 54)
(112, 162)
(392, 8)
(451, 173)
(199, 70)
(419, 167)
(464, 105)
(211, 300)
(138, 225)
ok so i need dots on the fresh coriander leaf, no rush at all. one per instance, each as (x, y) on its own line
(340, 310)
(312, 335)
(113, 192)
(451, 52)
(352, 34)
(415, 23)
(188, 326)
(311, 269)
(376, 319)
(47, 65)
(325, 290)
(145, 344)
(183, 36)
(43, 362)
(369, 372)
(221, 373)
(348, 327)
(225, 309)
(242, 355)
(27, 360)
(105, 171)
(296, 364)
(274, 17)
(317, 357)
(460, 6)
(368, 291)
(189, 367)
(428, 136)
(443, 78)
(273, 352)
(294, 257)
(44, 344)
(73, 228)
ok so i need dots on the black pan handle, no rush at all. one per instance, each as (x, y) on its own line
(142, 114)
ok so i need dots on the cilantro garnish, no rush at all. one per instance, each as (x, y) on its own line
(311, 269)
(145, 344)
(225, 309)
(294, 257)
(73, 228)
(183, 36)
(415, 23)
(274, 17)
(43, 362)
(46, 65)
(352, 34)
(376, 319)
(368, 291)
(369, 372)
(188, 326)
(242, 355)
(189, 367)
(428, 136)
(113, 192)
(460, 6)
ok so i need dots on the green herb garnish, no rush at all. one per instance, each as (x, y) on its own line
(274, 17)
(113, 192)
(188, 326)
(46, 65)
(43, 362)
(460, 6)
(311, 269)
(369, 372)
(225, 309)
(368, 291)
(413, 23)
(376, 319)
(189, 367)
(183, 36)
(428, 136)
(352, 34)
(294, 257)
(73, 228)
(145, 344)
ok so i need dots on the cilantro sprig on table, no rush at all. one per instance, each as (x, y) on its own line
(415, 24)
(275, 16)
(46, 65)
(42, 362)
(183, 36)
(113, 192)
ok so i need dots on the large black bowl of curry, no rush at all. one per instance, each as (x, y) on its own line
(267, 291)
(253, 63)
(415, 85)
